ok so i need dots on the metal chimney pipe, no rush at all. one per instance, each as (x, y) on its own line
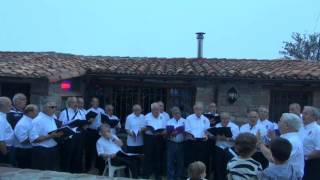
(200, 44)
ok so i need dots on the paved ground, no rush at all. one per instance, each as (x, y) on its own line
(7, 173)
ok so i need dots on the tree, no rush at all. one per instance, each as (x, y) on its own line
(306, 47)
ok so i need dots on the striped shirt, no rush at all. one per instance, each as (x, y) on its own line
(243, 169)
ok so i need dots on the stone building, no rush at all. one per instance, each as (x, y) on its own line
(124, 81)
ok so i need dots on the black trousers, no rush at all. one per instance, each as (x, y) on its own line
(24, 157)
(44, 158)
(71, 153)
(220, 164)
(10, 157)
(311, 169)
(130, 161)
(197, 150)
(135, 149)
(91, 137)
(154, 156)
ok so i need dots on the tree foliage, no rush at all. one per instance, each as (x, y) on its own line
(302, 46)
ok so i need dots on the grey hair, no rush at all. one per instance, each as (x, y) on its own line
(3, 102)
(70, 99)
(175, 110)
(136, 106)
(17, 97)
(198, 105)
(225, 114)
(108, 106)
(293, 120)
(296, 105)
(30, 108)
(154, 105)
(314, 110)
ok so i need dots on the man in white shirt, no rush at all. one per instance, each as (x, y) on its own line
(255, 128)
(264, 121)
(109, 147)
(154, 143)
(22, 131)
(80, 105)
(213, 110)
(295, 108)
(162, 112)
(44, 151)
(223, 142)
(109, 112)
(197, 146)
(134, 125)
(6, 133)
(92, 134)
(311, 143)
(289, 126)
(71, 148)
(175, 145)
(19, 101)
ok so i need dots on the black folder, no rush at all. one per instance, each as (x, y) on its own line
(155, 131)
(67, 131)
(91, 114)
(215, 117)
(189, 136)
(226, 131)
(106, 120)
(78, 123)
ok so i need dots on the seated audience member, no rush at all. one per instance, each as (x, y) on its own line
(289, 126)
(280, 169)
(109, 147)
(223, 142)
(21, 131)
(6, 133)
(197, 171)
(311, 143)
(175, 145)
(243, 167)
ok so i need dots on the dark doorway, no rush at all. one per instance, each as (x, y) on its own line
(10, 89)
(281, 99)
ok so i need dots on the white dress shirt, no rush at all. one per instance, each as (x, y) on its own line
(107, 146)
(114, 118)
(82, 113)
(177, 123)
(296, 157)
(268, 125)
(41, 126)
(68, 115)
(155, 122)
(312, 138)
(197, 126)
(22, 131)
(6, 132)
(165, 115)
(97, 121)
(135, 124)
(253, 129)
(235, 132)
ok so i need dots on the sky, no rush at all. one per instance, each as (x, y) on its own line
(252, 29)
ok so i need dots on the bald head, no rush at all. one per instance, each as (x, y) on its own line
(5, 104)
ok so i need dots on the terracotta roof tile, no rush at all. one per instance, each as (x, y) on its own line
(58, 66)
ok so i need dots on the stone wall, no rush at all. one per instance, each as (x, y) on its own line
(251, 95)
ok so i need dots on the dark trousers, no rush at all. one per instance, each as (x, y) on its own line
(153, 156)
(91, 137)
(71, 154)
(130, 161)
(311, 169)
(44, 158)
(197, 150)
(135, 149)
(220, 164)
(24, 157)
(10, 157)
(175, 160)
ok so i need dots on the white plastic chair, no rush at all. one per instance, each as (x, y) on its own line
(113, 169)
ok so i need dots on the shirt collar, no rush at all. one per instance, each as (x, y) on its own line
(310, 125)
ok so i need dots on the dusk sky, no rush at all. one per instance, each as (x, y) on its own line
(234, 29)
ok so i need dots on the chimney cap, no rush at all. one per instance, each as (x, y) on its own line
(200, 35)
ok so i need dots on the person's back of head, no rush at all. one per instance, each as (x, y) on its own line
(197, 170)
(281, 150)
(245, 144)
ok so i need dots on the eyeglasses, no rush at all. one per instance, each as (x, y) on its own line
(52, 107)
